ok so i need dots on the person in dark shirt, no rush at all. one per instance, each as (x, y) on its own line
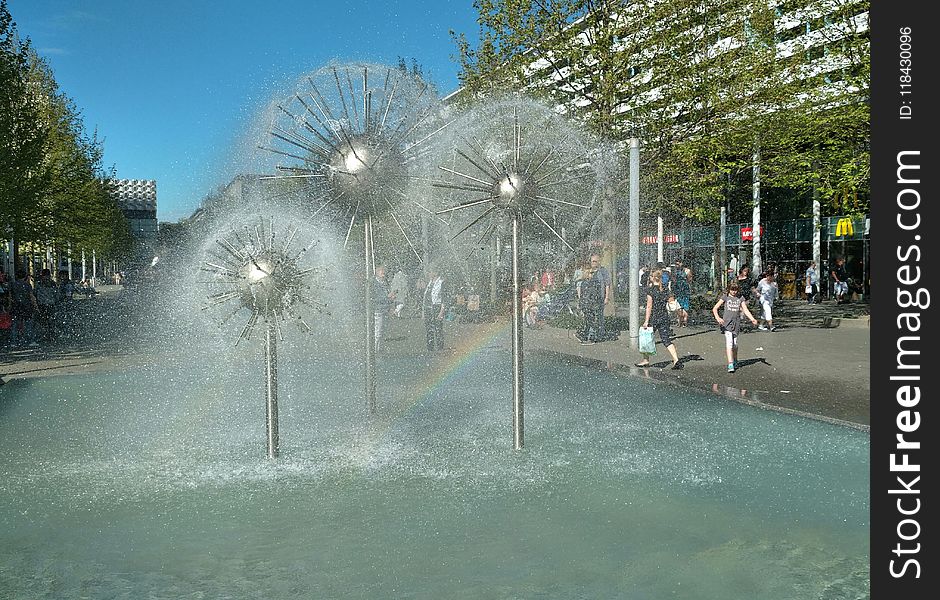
(746, 283)
(590, 296)
(730, 321)
(657, 317)
(602, 275)
(23, 307)
(839, 284)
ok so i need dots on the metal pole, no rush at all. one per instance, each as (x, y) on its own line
(270, 374)
(11, 259)
(94, 269)
(70, 260)
(425, 240)
(755, 217)
(83, 264)
(816, 232)
(659, 238)
(722, 250)
(634, 305)
(370, 317)
(494, 263)
(517, 381)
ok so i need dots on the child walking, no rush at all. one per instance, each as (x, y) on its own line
(730, 321)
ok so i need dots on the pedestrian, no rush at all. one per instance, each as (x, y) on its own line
(666, 275)
(602, 276)
(745, 283)
(46, 295)
(433, 309)
(399, 287)
(22, 311)
(531, 298)
(767, 291)
(548, 279)
(812, 283)
(382, 298)
(730, 321)
(682, 290)
(591, 302)
(839, 280)
(657, 316)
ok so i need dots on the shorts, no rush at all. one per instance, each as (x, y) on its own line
(731, 339)
(840, 288)
(767, 306)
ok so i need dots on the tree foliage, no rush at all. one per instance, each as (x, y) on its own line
(53, 188)
(702, 83)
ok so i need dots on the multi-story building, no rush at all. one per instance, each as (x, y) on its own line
(137, 199)
(647, 67)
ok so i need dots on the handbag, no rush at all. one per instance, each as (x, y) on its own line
(809, 289)
(6, 321)
(647, 344)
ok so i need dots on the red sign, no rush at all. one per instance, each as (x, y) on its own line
(671, 238)
(747, 234)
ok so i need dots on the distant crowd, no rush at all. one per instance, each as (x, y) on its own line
(36, 310)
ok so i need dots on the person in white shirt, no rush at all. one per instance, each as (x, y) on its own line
(433, 310)
(400, 290)
(812, 283)
(767, 291)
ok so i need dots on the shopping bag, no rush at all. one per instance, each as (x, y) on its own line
(809, 289)
(647, 344)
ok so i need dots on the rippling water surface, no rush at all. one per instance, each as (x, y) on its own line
(152, 484)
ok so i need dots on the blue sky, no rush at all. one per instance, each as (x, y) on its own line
(172, 84)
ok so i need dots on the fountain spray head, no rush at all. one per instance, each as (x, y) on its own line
(263, 275)
(259, 274)
(353, 132)
(362, 169)
(512, 191)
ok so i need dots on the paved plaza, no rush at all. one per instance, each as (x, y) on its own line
(804, 366)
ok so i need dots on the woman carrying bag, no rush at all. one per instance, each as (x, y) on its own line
(657, 318)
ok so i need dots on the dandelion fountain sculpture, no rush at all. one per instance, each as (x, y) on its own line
(528, 162)
(357, 150)
(259, 274)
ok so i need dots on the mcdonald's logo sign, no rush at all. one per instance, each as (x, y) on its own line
(845, 228)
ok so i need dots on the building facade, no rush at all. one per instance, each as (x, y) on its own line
(137, 199)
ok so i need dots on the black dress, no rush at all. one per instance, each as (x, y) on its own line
(659, 316)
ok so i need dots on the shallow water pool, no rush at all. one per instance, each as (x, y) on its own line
(152, 484)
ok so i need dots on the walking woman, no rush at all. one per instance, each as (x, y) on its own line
(657, 316)
(682, 290)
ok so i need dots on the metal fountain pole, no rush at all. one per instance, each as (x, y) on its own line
(634, 243)
(370, 317)
(270, 374)
(517, 382)
(494, 265)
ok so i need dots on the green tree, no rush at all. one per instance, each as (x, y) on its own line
(22, 136)
(701, 82)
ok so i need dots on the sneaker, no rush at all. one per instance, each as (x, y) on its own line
(763, 328)
(588, 343)
(774, 328)
(33, 345)
(731, 367)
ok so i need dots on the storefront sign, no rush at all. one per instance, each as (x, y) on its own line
(845, 228)
(747, 233)
(672, 238)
